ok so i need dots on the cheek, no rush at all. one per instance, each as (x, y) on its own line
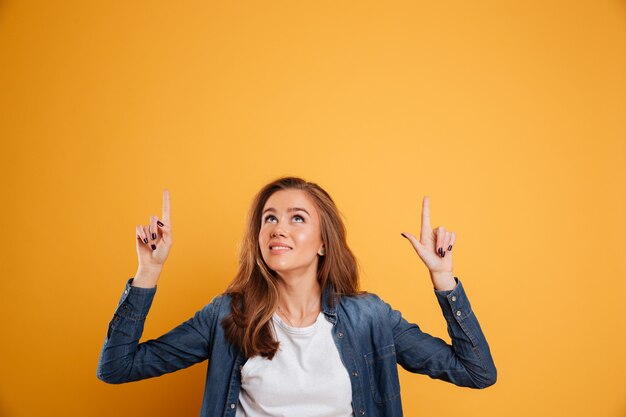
(263, 235)
(262, 242)
(308, 238)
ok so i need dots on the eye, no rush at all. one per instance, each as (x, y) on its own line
(296, 217)
(269, 217)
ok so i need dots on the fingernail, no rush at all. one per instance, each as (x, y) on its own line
(439, 251)
(450, 247)
(403, 235)
(153, 246)
(444, 254)
(145, 240)
(153, 236)
(159, 223)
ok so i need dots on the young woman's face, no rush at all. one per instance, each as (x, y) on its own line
(290, 237)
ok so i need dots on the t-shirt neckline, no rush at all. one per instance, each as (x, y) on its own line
(296, 330)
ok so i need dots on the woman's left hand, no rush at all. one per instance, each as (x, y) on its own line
(434, 249)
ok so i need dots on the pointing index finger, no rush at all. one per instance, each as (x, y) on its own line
(425, 217)
(166, 207)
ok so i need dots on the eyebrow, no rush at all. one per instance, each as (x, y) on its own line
(290, 209)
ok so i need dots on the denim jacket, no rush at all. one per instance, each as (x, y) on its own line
(372, 338)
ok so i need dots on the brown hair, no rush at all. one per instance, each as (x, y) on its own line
(254, 290)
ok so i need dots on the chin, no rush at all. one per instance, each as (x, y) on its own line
(278, 268)
(274, 266)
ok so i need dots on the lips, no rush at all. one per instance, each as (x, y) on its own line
(279, 246)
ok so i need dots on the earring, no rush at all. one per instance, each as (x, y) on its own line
(322, 252)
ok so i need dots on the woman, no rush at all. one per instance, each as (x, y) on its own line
(292, 335)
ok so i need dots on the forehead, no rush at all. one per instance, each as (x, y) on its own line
(284, 199)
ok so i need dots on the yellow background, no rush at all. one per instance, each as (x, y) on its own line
(509, 115)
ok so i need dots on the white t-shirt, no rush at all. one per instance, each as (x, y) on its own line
(306, 377)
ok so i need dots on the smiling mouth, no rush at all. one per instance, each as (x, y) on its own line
(280, 248)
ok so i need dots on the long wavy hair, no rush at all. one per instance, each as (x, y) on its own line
(254, 290)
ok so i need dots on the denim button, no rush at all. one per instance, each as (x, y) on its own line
(355, 373)
(232, 406)
(340, 334)
(362, 412)
(454, 298)
(458, 313)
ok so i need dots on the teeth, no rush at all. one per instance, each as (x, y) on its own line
(279, 247)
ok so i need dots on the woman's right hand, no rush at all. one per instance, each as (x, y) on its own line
(155, 240)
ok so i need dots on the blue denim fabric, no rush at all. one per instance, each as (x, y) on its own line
(372, 339)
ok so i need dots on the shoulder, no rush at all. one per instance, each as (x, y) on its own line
(363, 303)
(367, 314)
(219, 306)
(365, 297)
(222, 301)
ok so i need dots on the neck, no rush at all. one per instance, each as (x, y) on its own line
(300, 297)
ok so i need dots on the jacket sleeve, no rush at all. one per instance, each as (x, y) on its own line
(124, 359)
(467, 362)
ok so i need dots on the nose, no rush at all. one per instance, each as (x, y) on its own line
(277, 231)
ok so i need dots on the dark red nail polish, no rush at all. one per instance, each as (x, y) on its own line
(145, 240)
(153, 236)
(159, 223)
(403, 235)
(444, 254)
(153, 246)
(450, 247)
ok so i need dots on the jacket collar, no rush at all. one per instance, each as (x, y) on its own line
(328, 308)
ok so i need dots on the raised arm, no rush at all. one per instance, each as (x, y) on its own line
(123, 358)
(468, 361)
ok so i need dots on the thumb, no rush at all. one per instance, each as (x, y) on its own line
(417, 245)
(166, 231)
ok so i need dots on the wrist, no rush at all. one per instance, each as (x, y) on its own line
(146, 276)
(150, 267)
(443, 281)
